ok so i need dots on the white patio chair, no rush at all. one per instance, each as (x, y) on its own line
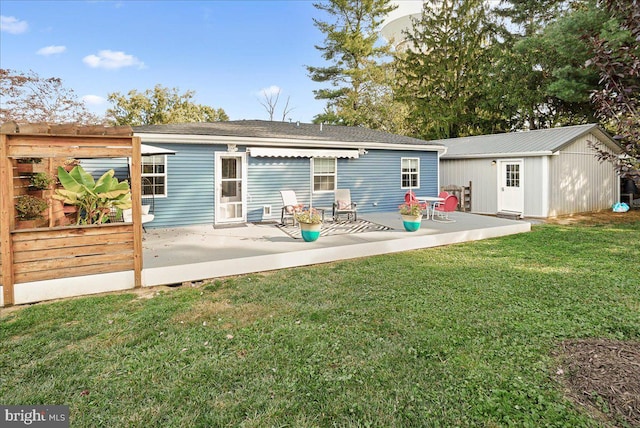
(290, 206)
(344, 205)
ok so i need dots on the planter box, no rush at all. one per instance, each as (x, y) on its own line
(27, 168)
(30, 224)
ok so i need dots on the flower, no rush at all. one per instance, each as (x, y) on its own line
(412, 208)
(310, 215)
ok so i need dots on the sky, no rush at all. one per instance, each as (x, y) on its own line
(229, 52)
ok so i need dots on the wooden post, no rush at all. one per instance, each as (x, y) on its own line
(136, 196)
(6, 221)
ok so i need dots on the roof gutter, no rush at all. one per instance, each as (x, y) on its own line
(282, 142)
(502, 155)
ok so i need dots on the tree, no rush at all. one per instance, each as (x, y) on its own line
(439, 76)
(27, 97)
(617, 58)
(159, 105)
(352, 49)
(529, 16)
(270, 98)
(541, 73)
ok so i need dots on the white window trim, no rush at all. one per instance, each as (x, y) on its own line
(335, 176)
(165, 175)
(417, 172)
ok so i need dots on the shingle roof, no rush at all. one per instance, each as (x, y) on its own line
(282, 130)
(542, 141)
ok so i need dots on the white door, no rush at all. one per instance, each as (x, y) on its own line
(511, 186)
(230, 188)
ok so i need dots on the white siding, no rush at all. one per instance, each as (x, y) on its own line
(482, 174)
(534, 187)
(579, 182)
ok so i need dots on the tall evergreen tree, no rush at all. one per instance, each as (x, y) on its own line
(359, 88)
(440, 76)
(529, 16)
(542, 73)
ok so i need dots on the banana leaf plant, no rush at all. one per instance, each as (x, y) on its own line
(94, 199)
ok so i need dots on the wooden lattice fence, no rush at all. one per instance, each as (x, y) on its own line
(52, 249)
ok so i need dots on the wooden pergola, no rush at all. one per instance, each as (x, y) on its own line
(53, 251)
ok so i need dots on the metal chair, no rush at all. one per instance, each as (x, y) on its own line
(443, 209)
(343, 205)
(290, 206)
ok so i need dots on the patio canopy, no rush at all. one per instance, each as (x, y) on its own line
(147, 150)
(277, 152)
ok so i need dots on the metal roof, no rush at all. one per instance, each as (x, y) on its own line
(526, 143)
(283, 131)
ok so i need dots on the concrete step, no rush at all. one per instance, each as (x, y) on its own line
(511, 215)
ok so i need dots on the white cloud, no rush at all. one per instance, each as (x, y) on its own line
(271, 91)
(112, 60)
(12, 25)
(94, 100)
(51, 50)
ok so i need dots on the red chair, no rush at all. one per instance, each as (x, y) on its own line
(410, 199)
(443, 209)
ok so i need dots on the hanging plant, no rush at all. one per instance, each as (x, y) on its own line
(30, 207)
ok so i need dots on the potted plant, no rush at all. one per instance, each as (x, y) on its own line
(310, 222)
(70, 163)
(94, 198)
(411, 216)
(29, 210)
(40, 181)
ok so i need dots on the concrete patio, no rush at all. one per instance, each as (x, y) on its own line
(177, 255)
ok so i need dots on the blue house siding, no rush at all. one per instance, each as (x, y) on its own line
(267, 176)
(190, 186)
(374, 180)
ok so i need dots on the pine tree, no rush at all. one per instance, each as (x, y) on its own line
(359, 86)
(440, 76)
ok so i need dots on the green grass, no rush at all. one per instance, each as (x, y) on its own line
(462, 335)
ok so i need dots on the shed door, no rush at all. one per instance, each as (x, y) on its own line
(510, 186)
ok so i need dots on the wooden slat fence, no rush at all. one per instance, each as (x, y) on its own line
(50, 253)
(45, 253)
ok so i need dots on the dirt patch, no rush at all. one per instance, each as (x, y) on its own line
(598, 218)
(603, 376)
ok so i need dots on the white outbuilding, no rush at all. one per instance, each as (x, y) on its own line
(542, 173)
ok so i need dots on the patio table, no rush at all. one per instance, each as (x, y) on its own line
(431, 202)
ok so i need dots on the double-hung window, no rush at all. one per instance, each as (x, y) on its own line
(154, 175)
(410, 173)
(324, 174)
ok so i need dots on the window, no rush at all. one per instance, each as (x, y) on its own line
(154, 175)
(513, 175)
(324, 174)
(410, 173)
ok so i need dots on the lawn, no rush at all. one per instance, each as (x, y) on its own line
(463, 335)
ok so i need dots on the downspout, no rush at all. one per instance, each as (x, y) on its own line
(440, 154)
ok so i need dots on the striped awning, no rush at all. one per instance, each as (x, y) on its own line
(147, 150)
(278, 152)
